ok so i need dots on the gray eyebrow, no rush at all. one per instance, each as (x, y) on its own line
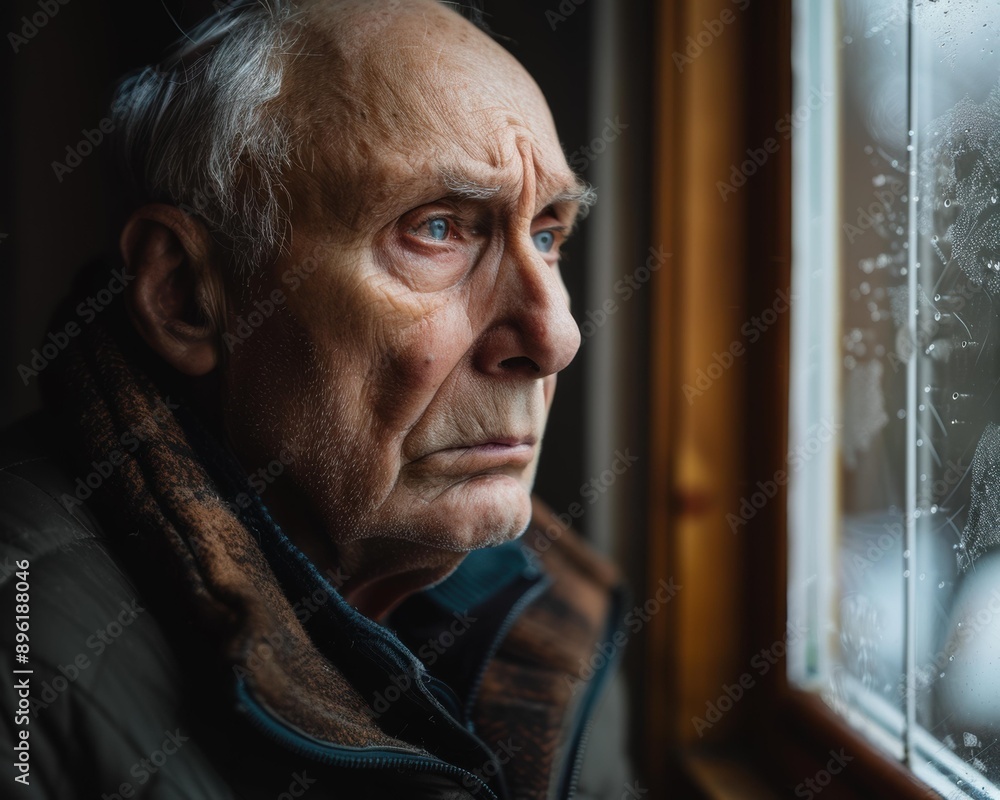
(583, 194)
(469, 189)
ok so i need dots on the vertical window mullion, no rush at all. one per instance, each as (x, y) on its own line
(912, 514)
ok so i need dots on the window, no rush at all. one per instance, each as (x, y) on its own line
(894, 516)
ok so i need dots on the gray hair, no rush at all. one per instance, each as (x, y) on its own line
(201, 129)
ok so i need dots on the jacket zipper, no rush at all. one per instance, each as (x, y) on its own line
(530, 595)
(273, 727)
(574, 778)
(594, 690)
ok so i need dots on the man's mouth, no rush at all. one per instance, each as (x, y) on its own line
(494, 452)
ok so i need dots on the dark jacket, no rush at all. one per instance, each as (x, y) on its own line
(484, 682)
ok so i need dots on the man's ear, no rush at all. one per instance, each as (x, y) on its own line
(177, 300)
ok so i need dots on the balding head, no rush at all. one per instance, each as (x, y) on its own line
(379, 95)
(216, 126)
(404, 342)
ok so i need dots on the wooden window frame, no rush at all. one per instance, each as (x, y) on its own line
(730, 258)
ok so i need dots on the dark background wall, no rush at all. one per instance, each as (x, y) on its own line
(57, 80)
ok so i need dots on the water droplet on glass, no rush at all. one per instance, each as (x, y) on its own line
(941, 585)
(901, 414)
(906, 573)
(947, 202)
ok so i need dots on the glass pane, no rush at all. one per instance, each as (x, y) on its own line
(956, 73)
(870, 590)
(895, 528)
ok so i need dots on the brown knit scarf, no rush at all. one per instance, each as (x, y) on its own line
(176, 524)
(190, 547)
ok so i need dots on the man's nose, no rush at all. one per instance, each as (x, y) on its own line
(533, 333)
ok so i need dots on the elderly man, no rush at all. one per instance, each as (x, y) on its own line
(281, 555)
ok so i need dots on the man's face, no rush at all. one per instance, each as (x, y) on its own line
(412, 361)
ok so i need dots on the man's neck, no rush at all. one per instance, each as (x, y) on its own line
(374, 574)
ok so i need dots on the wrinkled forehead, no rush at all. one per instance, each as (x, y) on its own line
(393, 93)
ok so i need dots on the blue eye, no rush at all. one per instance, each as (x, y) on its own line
(544, 241)
(438, 229)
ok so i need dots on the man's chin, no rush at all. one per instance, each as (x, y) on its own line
(484, 511)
